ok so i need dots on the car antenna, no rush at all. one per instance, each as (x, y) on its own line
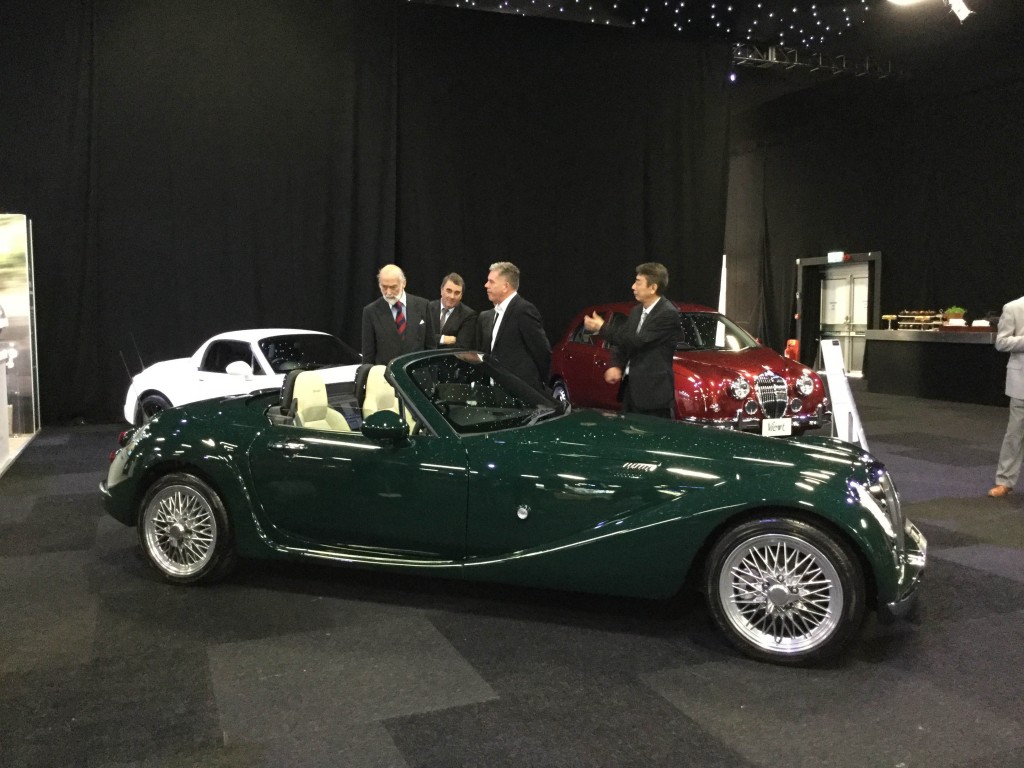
(142, 365)
(131, 379)
(125, 364)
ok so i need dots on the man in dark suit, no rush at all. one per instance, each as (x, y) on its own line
(395, 323)
(513, 332)
(450, 323)
(644, 345)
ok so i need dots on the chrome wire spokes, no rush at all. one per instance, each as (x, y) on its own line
(180, 530)
(781, 593)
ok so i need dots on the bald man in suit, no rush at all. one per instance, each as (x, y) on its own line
(396, 323)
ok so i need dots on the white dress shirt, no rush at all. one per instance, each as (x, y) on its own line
(499, 312)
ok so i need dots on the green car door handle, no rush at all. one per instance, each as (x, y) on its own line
(288, 446)
(588, 489)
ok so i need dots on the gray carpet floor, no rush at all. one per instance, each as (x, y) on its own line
(102, 666)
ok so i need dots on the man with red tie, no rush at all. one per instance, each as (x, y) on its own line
(396, 323)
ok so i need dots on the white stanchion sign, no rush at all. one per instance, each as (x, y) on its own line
(845, 419)
(4, 431)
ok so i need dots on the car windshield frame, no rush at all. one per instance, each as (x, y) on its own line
(308, 351)
(475, 395)
(694, 338)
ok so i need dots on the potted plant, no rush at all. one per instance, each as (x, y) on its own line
(954, 313)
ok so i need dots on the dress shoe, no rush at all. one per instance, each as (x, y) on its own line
(999, 491)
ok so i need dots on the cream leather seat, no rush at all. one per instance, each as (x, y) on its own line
(311, 409)
(380, 396)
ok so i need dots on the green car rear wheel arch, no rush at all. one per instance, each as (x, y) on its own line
(183, 528)
(784, 590)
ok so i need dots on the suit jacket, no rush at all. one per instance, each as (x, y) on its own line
(649, 353)
(521, 346)
(381, 342)
(1010, 338)
(461, 324)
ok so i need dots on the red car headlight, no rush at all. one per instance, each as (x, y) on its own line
(739, 388)
(805, 384)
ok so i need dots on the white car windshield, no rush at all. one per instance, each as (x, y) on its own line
(308, 351)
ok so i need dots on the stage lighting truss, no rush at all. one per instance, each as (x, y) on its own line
(781, 57)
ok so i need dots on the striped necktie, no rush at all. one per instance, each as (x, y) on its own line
(399, 318)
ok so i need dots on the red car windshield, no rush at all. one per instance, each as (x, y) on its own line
(705, 331)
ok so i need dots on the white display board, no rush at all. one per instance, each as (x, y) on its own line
(5, 434)
(19, 387)
(845, 419)
(17, 336)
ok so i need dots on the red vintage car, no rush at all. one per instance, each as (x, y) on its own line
(724, 376)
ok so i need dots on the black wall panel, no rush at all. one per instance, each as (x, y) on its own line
(195, 167)
(925, 168)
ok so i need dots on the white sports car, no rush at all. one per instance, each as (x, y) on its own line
(237, 362)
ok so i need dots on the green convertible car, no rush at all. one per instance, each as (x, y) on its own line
(445, 464)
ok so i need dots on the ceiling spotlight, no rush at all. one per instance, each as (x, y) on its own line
(960, 9)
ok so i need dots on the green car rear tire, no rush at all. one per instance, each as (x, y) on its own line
(184, 530)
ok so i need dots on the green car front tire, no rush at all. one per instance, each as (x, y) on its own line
(785, 591)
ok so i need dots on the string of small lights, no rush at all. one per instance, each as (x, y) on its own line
(802, 23)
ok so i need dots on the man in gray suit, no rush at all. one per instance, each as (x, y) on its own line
(395, 323)
(1010, 338)
(450, 322)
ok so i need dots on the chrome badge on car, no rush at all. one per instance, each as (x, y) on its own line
(638, 465)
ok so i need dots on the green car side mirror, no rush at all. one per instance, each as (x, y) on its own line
(386, 426)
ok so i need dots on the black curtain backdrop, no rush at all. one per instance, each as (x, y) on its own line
(925, 168)
(196, 167)
(574, 152)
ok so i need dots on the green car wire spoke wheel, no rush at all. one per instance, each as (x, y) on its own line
(785, 590)
(183, 529)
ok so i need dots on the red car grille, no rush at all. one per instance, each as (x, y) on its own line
(771, 393)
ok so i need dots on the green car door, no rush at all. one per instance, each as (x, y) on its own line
(343, 490)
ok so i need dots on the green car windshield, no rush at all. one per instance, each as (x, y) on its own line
(474, 395)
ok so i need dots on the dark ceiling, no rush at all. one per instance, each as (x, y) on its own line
(876, 32)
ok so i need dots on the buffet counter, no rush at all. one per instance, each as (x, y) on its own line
(959, 364)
